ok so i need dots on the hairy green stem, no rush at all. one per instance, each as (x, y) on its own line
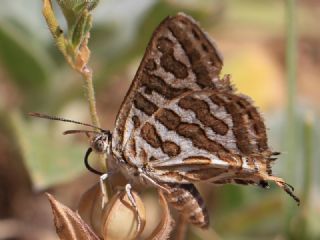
(89, 91)
(87, 75)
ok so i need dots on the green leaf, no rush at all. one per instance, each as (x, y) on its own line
(81, 29)
(74, 9)
(49, 159)
(27, 63)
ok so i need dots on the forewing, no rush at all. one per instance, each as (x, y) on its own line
(200, 136)
(179, 58)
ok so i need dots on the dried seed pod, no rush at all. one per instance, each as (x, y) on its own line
(164, 228)
(69, 225)
(90, 208)
(120, 218)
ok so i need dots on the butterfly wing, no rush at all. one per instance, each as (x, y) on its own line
(179, 58)
(183, 123)
(204, 135)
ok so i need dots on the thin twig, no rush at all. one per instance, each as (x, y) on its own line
(90, 94)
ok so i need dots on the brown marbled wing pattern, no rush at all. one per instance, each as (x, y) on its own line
(181, 123)
(204, 135)
(178, 59)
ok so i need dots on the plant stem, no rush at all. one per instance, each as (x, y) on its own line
(308, 150)
(300, 229)
(291, 134)
(87, 76)
(307, 175)
(291, 61)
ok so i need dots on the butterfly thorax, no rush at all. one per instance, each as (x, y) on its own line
(132, 171)
(102, 143)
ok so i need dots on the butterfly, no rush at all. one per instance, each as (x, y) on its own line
(182, 123)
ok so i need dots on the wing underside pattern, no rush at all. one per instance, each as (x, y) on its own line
(179, 58)
(199, 136)
(181, 123)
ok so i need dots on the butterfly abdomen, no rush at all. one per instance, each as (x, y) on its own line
(188, 201)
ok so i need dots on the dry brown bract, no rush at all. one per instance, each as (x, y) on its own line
(117, 220)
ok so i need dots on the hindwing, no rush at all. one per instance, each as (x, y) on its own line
(204, 135)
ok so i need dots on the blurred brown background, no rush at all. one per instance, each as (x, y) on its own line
(252, 36)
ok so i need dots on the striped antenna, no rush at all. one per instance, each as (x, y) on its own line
(45, 116)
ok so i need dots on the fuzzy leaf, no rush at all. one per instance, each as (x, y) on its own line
(49, 159)
(80, 29)
(73, 9)
(53, 25)
(26, 62)
(69, 225)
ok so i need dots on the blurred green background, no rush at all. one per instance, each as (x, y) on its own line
(272, 53)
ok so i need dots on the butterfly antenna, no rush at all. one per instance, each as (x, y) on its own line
(45, 116)
(79, 131)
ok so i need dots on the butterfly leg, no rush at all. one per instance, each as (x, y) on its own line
(154, 183)
(128, 188)
(103, 177)
(285, 186)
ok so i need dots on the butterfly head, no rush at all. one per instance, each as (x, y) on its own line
(101, 142)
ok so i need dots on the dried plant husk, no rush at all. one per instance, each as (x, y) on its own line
(69, 225)
(90, 208)
(164, 228)
(120, 219)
